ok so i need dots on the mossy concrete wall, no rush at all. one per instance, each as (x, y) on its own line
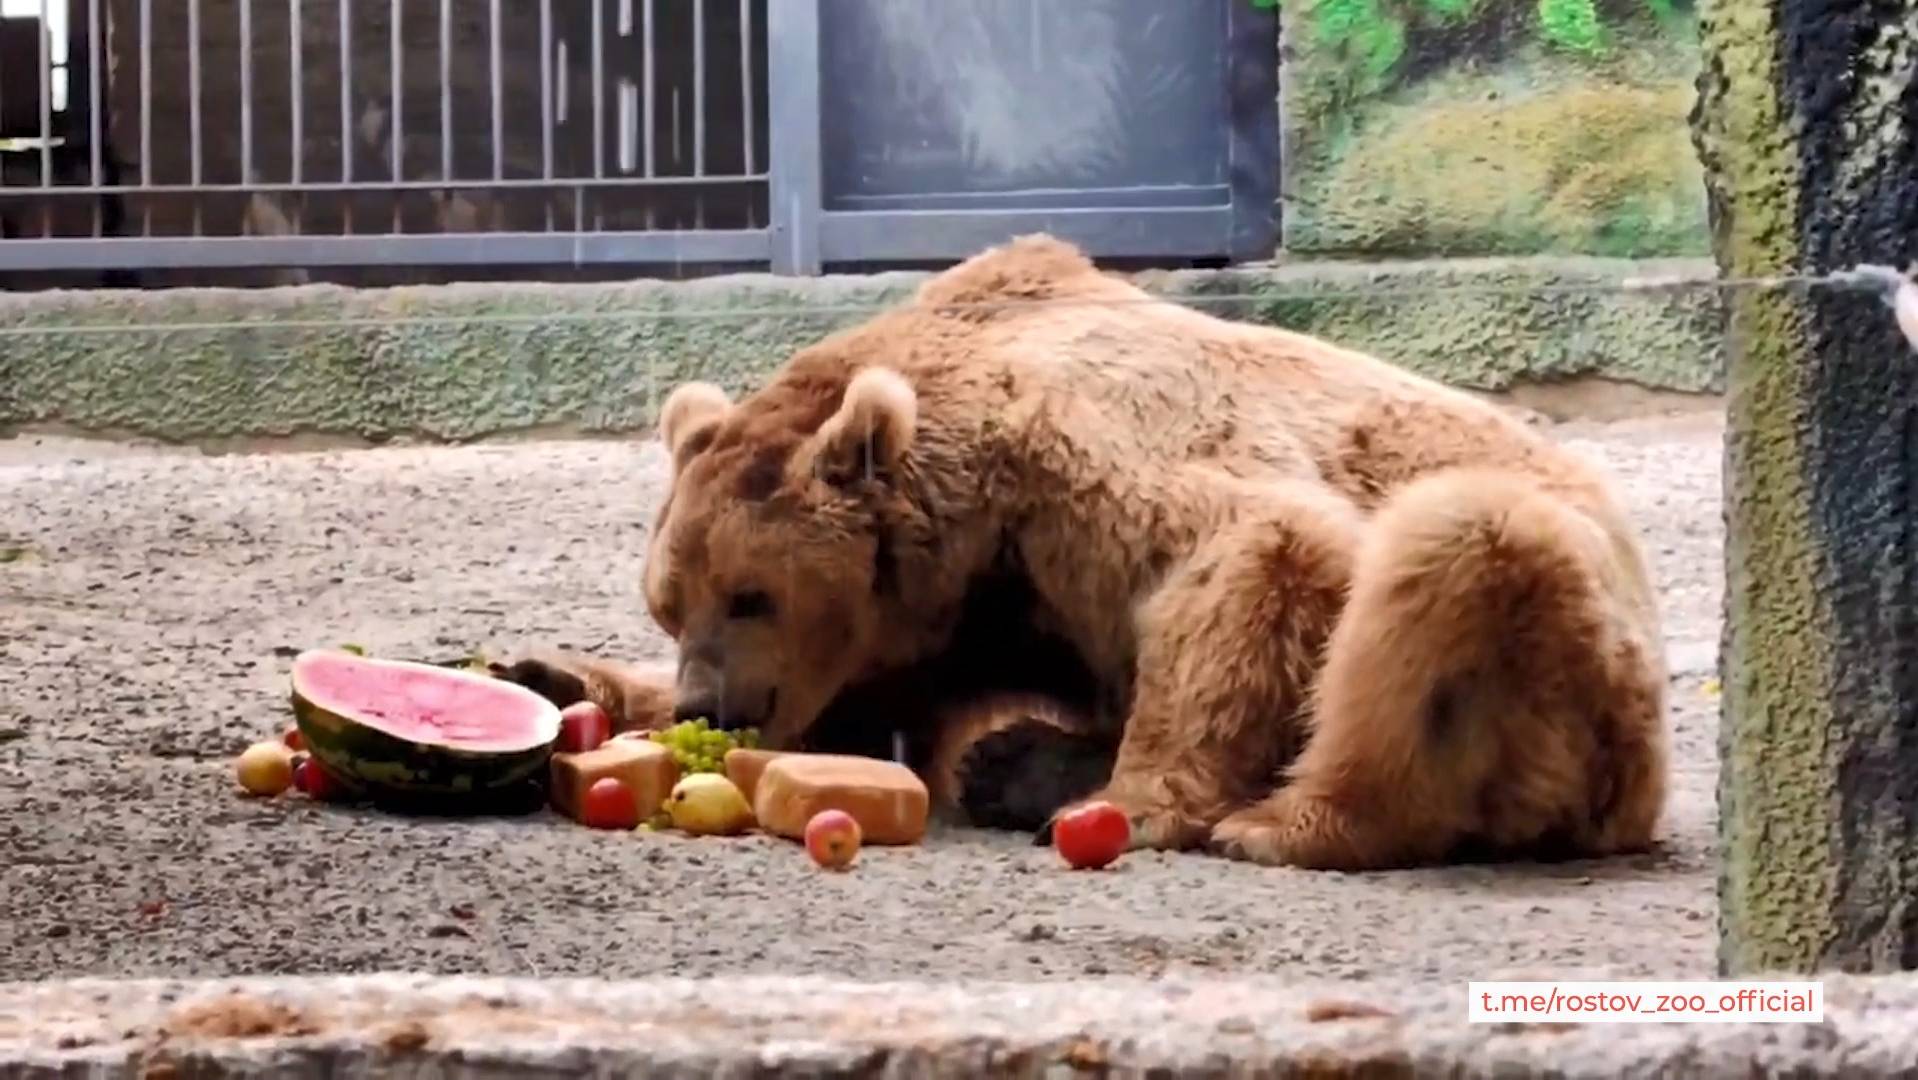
(1809, 138)
(1596, 168)
(471, 361)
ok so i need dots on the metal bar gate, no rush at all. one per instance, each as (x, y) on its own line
(145, 134)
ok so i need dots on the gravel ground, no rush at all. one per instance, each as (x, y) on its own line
(150, 601)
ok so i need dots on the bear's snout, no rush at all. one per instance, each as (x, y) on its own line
(694, 707)
(726, 712)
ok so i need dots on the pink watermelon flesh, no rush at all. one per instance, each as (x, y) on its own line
(425, 704)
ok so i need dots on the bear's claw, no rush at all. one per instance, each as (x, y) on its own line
(555, 684)
(1247, 841)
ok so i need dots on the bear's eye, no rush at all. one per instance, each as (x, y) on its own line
(751, 604)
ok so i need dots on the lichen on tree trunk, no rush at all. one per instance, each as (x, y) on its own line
(1807, 125)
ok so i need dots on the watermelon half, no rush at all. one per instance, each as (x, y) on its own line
(407, 729)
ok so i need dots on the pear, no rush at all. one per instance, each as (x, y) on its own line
(708, 804)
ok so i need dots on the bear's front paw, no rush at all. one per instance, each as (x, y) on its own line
(1253, 838)
(545, 678)
(1157, 823)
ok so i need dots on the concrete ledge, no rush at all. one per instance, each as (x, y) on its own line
(483, 360)
(384, 1025)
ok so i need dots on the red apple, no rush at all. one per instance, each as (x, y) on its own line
(610, 804)
(319, 785)
(583, 726)
(1091, 836)
(833, 838)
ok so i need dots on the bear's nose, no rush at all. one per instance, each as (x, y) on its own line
(732, 712)
(730, 717)
(692, 708)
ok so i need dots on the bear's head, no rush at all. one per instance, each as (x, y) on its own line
(774, 560)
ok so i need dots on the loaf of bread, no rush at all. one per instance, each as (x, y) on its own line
(743, 767)
(646, 767)
(887, 799)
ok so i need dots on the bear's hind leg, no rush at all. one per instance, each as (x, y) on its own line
(1227, 647)
(1496, 683)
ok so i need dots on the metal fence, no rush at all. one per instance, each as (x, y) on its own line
(138, 134)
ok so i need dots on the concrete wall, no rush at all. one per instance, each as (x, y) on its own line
(596, 358)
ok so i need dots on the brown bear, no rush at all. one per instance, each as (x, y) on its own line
(1267, 595)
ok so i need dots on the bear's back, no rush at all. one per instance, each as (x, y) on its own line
(1106, 366)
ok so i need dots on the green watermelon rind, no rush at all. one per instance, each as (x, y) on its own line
(382, 763)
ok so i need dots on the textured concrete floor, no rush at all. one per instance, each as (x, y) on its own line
(153, 599)
(1177, 1027)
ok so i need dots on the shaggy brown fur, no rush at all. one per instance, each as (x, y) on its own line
(1334, 615)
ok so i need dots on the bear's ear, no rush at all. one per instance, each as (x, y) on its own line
(871, 431)
(688, 418)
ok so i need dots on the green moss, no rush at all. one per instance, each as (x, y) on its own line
(1571, 24)
(1497, 149)
(1349, 51)
(1776, 817)
(1372, 39)
(1774, 748)
(1592, 169)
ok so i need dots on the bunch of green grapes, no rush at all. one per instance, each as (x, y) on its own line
(699, 747)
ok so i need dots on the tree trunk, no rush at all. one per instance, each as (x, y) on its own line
(1807, 123)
